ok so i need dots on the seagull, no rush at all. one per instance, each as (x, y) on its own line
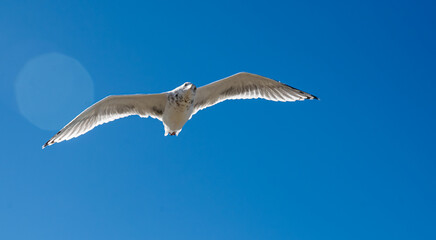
(176, 107)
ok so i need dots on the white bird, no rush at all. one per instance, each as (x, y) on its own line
(176, 107)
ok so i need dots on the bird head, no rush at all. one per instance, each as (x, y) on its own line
(186, 89)
(189, 86)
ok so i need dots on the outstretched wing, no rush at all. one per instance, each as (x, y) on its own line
(246, 86)
(109, 109)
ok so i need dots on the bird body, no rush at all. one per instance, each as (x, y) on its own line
(176, 107)
(179, 108)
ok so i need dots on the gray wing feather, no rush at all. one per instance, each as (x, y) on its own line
(109, 109)
(246, 86)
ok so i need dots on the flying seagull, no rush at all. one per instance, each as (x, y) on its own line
(176, 107)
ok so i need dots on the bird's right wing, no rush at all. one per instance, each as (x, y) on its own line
(109, 109)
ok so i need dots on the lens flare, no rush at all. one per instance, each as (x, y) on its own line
(53, 88)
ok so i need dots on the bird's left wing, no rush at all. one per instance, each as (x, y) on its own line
(109, 109)
(246, 86)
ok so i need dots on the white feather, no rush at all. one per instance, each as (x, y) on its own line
(246, 86)
(109, 109)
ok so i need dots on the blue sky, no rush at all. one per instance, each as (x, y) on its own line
(358, 164)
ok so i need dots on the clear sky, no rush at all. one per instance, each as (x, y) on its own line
(358, 164)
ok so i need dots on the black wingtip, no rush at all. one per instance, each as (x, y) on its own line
(51, 141)
(48, 143)
(301, 92)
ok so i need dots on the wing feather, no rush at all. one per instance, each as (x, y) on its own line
(109, 109)
(246, 86)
